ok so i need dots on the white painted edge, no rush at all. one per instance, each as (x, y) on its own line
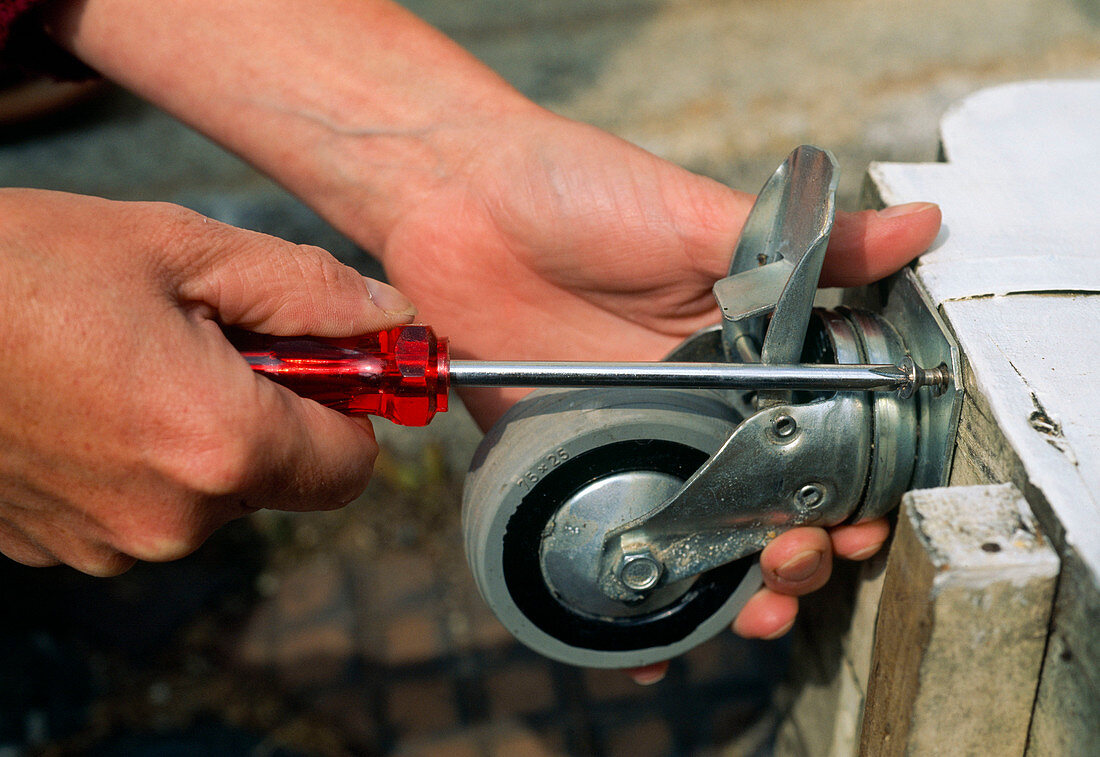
(991, 246)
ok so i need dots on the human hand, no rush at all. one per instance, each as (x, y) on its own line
(559, 241)
(129, 427)
(556, 240)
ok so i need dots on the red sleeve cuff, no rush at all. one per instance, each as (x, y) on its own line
(25, 46)
(9, 11)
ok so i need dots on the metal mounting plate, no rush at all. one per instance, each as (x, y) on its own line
(929, 341)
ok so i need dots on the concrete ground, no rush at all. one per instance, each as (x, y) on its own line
(360, 631)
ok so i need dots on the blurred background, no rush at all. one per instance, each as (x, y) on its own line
(360, 631)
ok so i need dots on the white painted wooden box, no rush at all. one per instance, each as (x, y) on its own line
(1015, 273)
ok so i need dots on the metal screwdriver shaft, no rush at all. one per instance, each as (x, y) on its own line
(482, 373)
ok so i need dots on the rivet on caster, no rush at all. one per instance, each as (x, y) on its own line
(617, 527)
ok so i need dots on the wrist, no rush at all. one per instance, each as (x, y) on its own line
(368, 175)
(359, 108)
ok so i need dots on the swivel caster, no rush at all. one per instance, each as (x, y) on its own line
(619, 527)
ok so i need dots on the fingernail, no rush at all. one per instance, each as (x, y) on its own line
(648, 678)
(389, 299)
(909, 208)
(781, 632)
(800, 567)
(866, 552)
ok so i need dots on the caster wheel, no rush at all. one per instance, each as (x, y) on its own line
(551, 479)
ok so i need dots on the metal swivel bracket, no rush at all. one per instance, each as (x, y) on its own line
(796, 458)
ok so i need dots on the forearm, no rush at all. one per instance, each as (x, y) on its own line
(355, 105)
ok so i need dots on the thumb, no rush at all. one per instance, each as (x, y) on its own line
(870, 244)
(262, 283)
(863, 247)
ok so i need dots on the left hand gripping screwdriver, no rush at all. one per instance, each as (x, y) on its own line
(403, 374)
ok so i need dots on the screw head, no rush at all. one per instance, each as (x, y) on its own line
(810, 495)
(784, 426)
(640, 571)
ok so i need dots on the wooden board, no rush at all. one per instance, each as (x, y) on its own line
(1018, 192)
(961, 627)
(1016, 274)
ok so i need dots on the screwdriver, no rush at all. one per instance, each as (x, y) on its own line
(403, 374)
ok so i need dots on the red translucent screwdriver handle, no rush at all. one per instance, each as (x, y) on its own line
(400, 374)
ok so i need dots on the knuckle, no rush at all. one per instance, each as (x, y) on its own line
(176, 220)
(314, 259)
(164, 545)
(176, 523)
(225, 467)
(317, 266)
(211, 454)
(31, 557)
(325, 269)
(211, 461)
(173, 226)
(173, 533)
(17, 545)
(106, 564)
(186, 241)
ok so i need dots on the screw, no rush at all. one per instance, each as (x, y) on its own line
(914, 377)
(640, 571)
(784, 426)
(939, 378)
(810, 495)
